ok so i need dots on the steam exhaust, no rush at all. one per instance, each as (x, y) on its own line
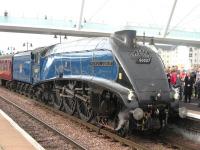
(124, 116)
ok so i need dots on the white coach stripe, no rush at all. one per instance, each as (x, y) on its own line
(25, 134)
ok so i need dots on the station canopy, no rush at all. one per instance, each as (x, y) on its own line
(151, 17)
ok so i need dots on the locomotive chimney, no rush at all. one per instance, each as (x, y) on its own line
(128, 37)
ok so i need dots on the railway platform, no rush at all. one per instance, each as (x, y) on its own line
(13, 137)
(193, 109)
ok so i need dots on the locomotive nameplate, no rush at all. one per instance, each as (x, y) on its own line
(102, 63)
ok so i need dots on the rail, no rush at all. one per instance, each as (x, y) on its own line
(92, 127)
(68, 139)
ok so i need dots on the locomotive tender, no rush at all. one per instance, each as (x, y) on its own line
(114, 81)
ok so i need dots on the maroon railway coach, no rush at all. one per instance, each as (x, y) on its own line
(6, 68)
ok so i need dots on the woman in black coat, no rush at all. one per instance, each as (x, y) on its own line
(179, 85)
(189, 81)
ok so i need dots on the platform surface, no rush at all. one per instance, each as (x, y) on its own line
(13, 137)
(193, 109)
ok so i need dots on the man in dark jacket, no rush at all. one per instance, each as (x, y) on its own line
(189, 81)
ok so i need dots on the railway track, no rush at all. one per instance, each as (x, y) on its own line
(56, 134)
(170, 143)
(195, 130)
(129, 142)
(98, 130)
(191, 125)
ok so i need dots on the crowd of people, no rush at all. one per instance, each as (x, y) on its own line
(188, 83)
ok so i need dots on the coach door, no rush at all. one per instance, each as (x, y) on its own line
(36, 67)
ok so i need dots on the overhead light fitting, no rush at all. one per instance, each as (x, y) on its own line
(5, 14)
(85, 20)
(55, 36)
(65, 37)
(26, 44)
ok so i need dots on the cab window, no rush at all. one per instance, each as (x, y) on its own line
(37, 58)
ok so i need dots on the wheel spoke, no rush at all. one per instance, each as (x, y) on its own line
(69, 105)
(85, 112)
(57, 101)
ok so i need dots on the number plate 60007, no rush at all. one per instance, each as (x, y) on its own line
(143, 60)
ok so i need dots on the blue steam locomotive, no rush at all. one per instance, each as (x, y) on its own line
(114, 81)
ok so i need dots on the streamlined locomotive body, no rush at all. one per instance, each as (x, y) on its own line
(114, 81)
